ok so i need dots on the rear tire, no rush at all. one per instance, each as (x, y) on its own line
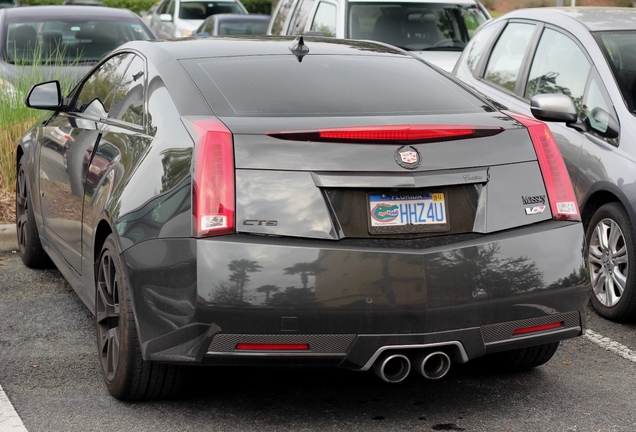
(610, 241)
(520, 359)
(126, 374)
(29, 245)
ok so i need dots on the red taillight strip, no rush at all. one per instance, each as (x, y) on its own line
(213, 185)
(399, 134)
(555, 175)
(538, 328)
(271, 347)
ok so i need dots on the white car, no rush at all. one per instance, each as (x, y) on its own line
(437, 30)
(180, 18)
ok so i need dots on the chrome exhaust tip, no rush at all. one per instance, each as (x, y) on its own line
(434, 365)
(392, 368)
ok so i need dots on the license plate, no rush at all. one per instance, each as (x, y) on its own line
(397, 213)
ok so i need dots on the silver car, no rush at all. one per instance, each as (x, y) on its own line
(587, 58)
(181, 18)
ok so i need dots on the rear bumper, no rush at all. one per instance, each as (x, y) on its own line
(195, 300)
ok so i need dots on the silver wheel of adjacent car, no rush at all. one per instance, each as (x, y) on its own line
(610, 240)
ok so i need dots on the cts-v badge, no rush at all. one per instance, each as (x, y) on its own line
(408, 157)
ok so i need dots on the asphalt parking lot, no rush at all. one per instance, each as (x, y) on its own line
(51, 381)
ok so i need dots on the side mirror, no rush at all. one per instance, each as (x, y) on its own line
(165, 17)
(554, 107)
(603, 123)
(45, 96)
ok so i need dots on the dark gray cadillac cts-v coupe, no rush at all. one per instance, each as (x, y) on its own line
(271, 201)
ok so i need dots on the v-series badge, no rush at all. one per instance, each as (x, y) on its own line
(538, 199)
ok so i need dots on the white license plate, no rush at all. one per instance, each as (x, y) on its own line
(394, 211)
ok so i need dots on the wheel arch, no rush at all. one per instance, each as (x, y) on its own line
(603, 194)
(19, 152)
(102, 232)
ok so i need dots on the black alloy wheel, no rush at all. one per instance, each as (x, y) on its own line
(126, 374)
(29, 245)
(610, 239)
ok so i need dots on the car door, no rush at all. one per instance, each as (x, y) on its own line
(281, 16)
(559, 64)
(300, 17)
(63, 173)
(529, 58)
(164, 29)
(324, 19)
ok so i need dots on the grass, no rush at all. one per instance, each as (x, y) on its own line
(16, 118)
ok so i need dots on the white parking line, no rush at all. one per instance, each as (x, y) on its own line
(610, 345)
(9, 419)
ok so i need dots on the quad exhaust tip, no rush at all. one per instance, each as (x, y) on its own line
(395, 367)
(434, 365)
(392, 368)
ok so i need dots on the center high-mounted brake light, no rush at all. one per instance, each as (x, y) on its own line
(213, 179)
(557, 180)
(396, 134)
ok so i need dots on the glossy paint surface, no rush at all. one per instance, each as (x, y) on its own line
(305, 259)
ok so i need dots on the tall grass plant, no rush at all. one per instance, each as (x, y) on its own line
(15, 117)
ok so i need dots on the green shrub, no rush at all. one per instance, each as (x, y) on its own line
(258, 6)
(16, 118)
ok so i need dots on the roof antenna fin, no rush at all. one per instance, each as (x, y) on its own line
(298, 48)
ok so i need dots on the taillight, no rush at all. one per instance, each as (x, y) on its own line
(555, 176)
(400, 134)
(213, 180)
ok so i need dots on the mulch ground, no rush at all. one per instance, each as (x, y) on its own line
(7, 207)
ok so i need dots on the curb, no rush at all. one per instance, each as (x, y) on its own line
(8, 238)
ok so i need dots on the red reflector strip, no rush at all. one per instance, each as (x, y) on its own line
(271, 347)
(390, 133)
(538, 328)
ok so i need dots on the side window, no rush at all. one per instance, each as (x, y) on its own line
(300, 17)
(507, 55)
(128, 101)
(281, 16)
(208, 27)
(479, 44)
(597, 109)
(163, 7)
(559, 66)
(473, 17)
(325, 19)
(98, 91)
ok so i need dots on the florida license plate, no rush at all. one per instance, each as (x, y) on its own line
(397, 213)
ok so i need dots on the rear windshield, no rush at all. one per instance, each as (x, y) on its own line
(327, 85)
